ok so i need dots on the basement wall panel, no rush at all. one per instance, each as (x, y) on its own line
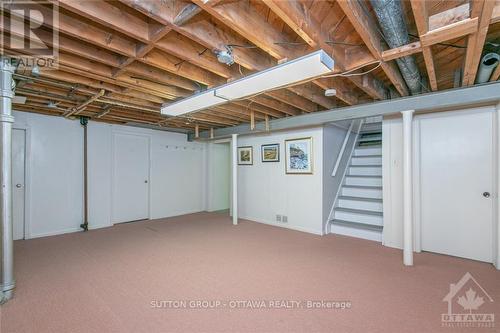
(55, 185)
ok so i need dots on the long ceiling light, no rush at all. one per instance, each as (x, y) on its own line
(301, 69)
(196, 102)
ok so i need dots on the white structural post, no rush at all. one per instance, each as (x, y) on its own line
(234, 149)
(496, 255)
(6, 120)
(407, 188)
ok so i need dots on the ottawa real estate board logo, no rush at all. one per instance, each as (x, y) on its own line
(469, 305)
(30, 33)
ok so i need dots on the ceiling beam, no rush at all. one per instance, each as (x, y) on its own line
(442, 100)
(181, 67)
(495, 16)
(294, 100)
(367, 30)
(421, 16)
(240, 16)
(298, 17)
(186, 13)
(483, 10)
(83, 31)
(184, 48)
(79, 108)
(110, 16)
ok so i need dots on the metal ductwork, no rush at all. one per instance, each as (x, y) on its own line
(488, 64)
(391, 19)
(6, 223)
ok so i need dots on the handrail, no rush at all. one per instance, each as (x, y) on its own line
(341, 153)
(326, 228)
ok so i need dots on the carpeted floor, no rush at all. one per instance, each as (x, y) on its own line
(119, 279)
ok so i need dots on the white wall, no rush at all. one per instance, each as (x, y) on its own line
(54, 192)
(392, 175)
(55, 183)
(264, 189)
(333, 138)
(219, 176)
(392, 166)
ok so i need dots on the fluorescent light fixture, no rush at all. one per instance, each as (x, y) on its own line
(304, 68)
(197, 102)
(291, 72)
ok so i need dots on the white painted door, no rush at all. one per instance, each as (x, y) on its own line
(130, 177)
(456, 179)
(18, 181)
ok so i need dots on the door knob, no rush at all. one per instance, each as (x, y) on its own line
(19, 185)
(146, 181)
(486, 194)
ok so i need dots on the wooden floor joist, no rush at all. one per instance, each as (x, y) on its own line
(149, 53)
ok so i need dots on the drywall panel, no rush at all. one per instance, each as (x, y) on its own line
(219, 176)
(333, 138)
(265, 190)
(56, 180)
(55, 185)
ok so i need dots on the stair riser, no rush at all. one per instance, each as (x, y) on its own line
(362, 193)
(361, 205)
(363, 181)
(366, 171)
(371, 138)
(366, 161)
(368, 151)
(359, 218)
(364, 234)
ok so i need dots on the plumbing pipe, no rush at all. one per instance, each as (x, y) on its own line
(488, 64)
(6, 222)
(85, 225)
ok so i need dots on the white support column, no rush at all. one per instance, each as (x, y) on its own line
(496, 239)
(234, 164)
(407, 188)
(6, 120)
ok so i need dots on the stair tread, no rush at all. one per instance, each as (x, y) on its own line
(359, 211)
(367, 156)
(359, 199)
(365, 165)
(362, 187)
(363, 176)
(356, 225)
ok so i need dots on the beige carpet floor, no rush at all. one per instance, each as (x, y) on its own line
(123, 279)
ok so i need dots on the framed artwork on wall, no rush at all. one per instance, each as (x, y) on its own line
(270, 153)
(299, 156)
(245, 155)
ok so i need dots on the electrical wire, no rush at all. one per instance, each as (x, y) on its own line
(349, 72)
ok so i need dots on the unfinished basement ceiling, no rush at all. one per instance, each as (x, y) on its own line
(130, 57)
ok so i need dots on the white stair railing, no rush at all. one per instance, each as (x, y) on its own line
(337, 163)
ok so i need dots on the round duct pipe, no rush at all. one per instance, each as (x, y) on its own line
(488, 64)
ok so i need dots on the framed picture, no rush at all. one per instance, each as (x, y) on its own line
(270, 153)
(245, 155)
(299, 156)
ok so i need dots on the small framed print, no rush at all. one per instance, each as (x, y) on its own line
(245, 155)
(270, 153)
(299, 156)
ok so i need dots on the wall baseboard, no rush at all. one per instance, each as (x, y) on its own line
(54, 233)
(292, 227)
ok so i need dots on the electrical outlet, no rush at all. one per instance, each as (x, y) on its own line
(284, 219)
(278, 218)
